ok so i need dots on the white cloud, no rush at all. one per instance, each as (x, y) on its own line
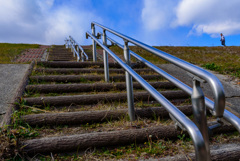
(68, 21)
(42, 21)
(211, 17)
(157, 14)
(203, 16)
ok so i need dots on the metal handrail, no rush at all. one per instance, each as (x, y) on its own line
(73, 44)
(66, 42)
(228, 116)
(79, 47)
(218, 92)
(202, 153)
(217, 107)
(73, 49)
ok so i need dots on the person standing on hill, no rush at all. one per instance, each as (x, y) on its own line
(222, 39)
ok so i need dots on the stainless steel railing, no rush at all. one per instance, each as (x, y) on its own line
(227, 116)
(192, 129)
(219, 96)
(76, 49)
(197, 131)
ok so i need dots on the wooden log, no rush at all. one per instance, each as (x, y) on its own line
(81, 117)
(85, 70)
(64, 64)
(71, 64)
(61, 57)
(94, 99)
(98, 139)
(230, 152)
(79, 78)
(63, 52)
(87, 87)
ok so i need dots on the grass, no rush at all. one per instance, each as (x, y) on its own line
(9, 51)
(9, 136)
(224, 60)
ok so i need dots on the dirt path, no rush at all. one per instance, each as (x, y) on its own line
(230, 85)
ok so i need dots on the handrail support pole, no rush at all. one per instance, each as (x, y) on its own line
(78, 53)
(129, 84)
(94, 44)
(75, 49)
(199, 113)
(66, 43)
(82, 58)
(105, 58)
(71, 45)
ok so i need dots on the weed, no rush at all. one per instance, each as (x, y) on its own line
(212, 66)
(181, 137)
(9, 136)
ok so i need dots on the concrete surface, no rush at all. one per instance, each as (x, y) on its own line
(231, 86)
(10, 78)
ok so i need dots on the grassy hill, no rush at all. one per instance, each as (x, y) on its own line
(224, 60)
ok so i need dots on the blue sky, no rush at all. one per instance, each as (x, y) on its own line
(155, 22)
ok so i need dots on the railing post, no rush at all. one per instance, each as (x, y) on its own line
(105, 58)
(129, 84)
(73, 48)
(78, 53)
(70, 42)
(199, 112)
(71, 45)
(77, 48)
(82, 58)
(66, 43)
(94, 44)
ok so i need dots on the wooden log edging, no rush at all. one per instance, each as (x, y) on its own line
(102, 139)
(74, 118)
(94, 99)
(229, 153)
(97, 139)
(87, 87)
(84, 70)
(79, 78)
(63, 64)
(23, 83)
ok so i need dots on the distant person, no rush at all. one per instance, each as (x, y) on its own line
(222, 39)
